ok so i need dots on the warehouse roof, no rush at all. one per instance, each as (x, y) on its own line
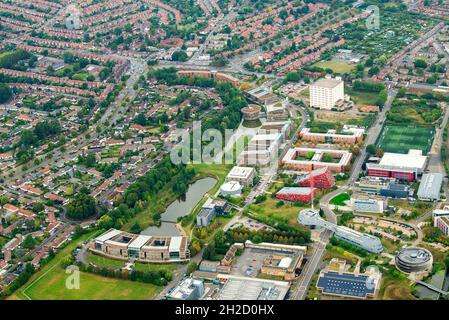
(430, 186)
(411, 160)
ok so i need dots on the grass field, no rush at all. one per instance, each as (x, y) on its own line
(340, 199)
(400, 139)
(155, 267)
(104, 262)
(362, 98)
(336, 66)
(49, 284)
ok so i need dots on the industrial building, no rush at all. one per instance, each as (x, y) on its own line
(324, 93)
(430, 186)
(331, 136)
(296, 194)
(306, 159)
(414, 260)
(187, 289)
(244, 288)
(244, 175)
(400, 166)
(309, 217)
(121, 245)
(320, 178)
(368, 203)
(336, 281)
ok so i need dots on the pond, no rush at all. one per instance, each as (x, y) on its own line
(181, 207)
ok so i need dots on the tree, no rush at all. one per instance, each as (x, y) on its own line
(5, 93)
(179, 56)
(81, 207)
(371, 149)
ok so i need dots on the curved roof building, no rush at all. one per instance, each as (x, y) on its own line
(310, 217)
(414, 259)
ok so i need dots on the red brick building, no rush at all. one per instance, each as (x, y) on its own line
(322, 178)
(296, 194)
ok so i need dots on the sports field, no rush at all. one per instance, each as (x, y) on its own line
(49, 283)
(400, 139)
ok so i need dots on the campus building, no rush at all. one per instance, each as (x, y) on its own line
(121, 245)
(368, 203)
(305, 159)
(320, 178)
(405, 167)
(324, 93)
(187, 289)
(251, 112)
(414, 260)
(331, 136)
(386, 187)
(442, 223)
(209, 210)
(296, 194)
(336, 281)
(309, 217)
(244, 175)
(430, 186)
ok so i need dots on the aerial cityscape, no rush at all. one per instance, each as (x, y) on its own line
(224, 150)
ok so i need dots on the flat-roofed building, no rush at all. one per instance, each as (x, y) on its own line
(335, 281)
(368, 203)
(296, 194)
(305, 159)
(400, 166)
(187, 289)
(244, 175)
(124, 246)
(245, 288)
(324, 93)
(331, 136)
(430, 186)
(442, 223)
(276, 110)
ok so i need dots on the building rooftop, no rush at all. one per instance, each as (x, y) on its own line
(430, 185)
(327, 83)
(411, 160)
(345, 284)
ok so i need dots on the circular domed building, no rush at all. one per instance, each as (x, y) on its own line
(414, 259)
(251, 112)
(231, 188)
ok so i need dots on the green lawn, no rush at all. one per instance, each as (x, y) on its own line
(49, 283)
(155, 267)
(92, 287)
(339, 200)
(362, 98)
(336, 66)
(104, 262)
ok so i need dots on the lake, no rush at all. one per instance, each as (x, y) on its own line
(181, 207)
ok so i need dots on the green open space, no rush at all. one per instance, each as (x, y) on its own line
(340, 199)
(362, 98)
(104, 262)
(336, 66)
(49, 283)
(400, 139)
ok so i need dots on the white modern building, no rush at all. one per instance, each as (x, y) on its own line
(430, 186)
(324, 93)
(244, 175)
(368, 203)
(309, 217)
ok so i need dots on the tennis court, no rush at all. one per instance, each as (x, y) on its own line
(400, 139)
